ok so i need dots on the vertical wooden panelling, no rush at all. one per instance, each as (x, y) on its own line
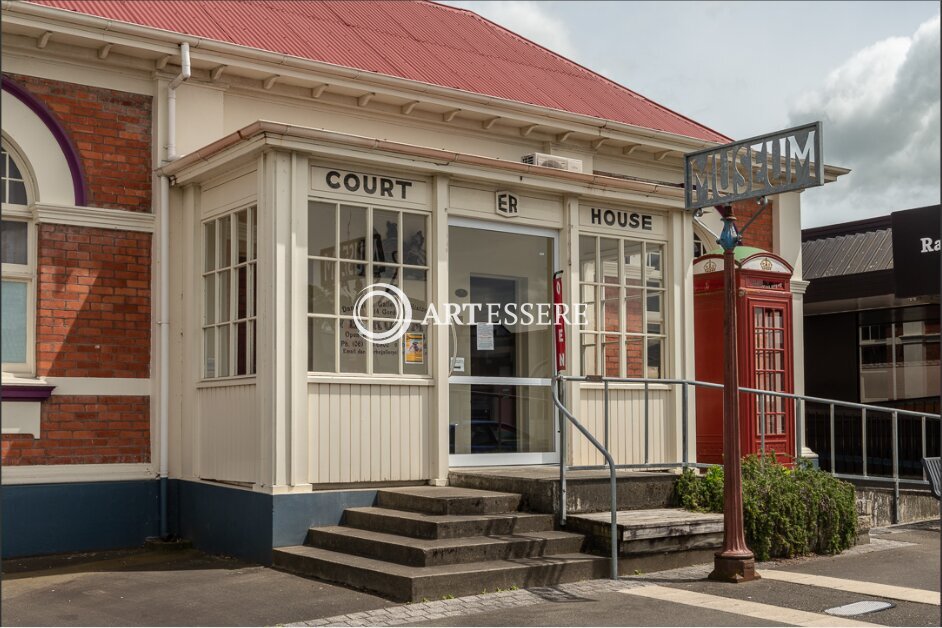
(229, 420)
(626, 421)
(344, 449)
(369, 433)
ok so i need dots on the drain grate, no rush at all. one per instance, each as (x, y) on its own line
(859, 608)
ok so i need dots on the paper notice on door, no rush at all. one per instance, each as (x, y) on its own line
(485, 336)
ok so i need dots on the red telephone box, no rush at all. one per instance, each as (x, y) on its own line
(766, 359)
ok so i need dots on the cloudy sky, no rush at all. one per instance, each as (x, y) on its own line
(868, 70)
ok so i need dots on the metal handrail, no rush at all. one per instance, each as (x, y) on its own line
(801, 401)
(611, 463)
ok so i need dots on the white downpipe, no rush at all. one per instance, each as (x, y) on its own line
(163, 319)
(172, 101)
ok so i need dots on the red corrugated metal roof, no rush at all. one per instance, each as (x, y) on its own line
(419, 41)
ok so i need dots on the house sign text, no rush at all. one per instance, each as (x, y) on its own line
(622, 219)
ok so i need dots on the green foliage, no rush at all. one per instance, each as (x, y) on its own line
(786, 512)
(701, 493)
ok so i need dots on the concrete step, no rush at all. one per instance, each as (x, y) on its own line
(429, 552)
(586, 490)
(652, 531)
(412, 584)
(422, 526)
(435, 500)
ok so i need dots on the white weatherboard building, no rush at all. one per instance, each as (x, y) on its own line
(337, 147)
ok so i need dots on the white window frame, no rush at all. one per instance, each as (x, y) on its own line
(598, 285)
(401, 266)
(250, 320)
(23, 273)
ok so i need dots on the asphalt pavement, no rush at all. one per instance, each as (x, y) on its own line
(139, 587)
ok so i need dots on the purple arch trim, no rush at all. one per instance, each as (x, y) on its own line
(58, 131)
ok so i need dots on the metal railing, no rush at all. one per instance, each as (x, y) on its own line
(895, 414)
(799, 423)
(611, 465)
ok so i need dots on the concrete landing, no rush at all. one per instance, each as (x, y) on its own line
(653, 539)
(653, 530)
(586, 491)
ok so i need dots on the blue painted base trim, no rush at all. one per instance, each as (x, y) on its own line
(54, 518)
(247, 525)
(222, 520)
(294, 514)
(77, 517)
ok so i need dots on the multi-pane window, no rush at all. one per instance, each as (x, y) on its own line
(351, 247)
(899, 359)
(769, 325)
(16, 292)
(230, 249)
(622, 285)
(13, 190)
(17, 296)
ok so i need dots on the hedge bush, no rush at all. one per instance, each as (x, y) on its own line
(786, 512)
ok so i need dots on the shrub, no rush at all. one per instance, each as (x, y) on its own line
(701, 493)
(786, 512)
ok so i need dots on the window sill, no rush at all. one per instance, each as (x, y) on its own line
(217, 382)
(371, 380)
(15, 388)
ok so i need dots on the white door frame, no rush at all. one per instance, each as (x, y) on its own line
(501, 459)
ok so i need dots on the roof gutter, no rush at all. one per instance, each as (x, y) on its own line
(441, 157)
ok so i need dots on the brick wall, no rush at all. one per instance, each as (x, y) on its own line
(93, 302)
(93, 294)
(112, 133)
(85, 430)
(759, 233)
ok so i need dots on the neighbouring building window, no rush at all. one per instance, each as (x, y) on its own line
(622, 285)
(899, 354)
(18, 261)
(230, 249)
(349, 248)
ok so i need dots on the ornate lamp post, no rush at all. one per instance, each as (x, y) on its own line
(754, 168)
(735, 563)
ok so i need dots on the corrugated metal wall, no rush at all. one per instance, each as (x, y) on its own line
(626, 421)
(229, 433)
(368, 433)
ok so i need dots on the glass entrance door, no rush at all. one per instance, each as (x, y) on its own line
(501, 410)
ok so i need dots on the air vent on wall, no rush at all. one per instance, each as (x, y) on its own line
(553, 161)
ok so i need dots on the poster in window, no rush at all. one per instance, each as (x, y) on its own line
(415, 347)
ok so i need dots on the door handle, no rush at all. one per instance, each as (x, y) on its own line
(454, 354)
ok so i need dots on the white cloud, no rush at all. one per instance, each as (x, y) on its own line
(880, 110)
(528, 19)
